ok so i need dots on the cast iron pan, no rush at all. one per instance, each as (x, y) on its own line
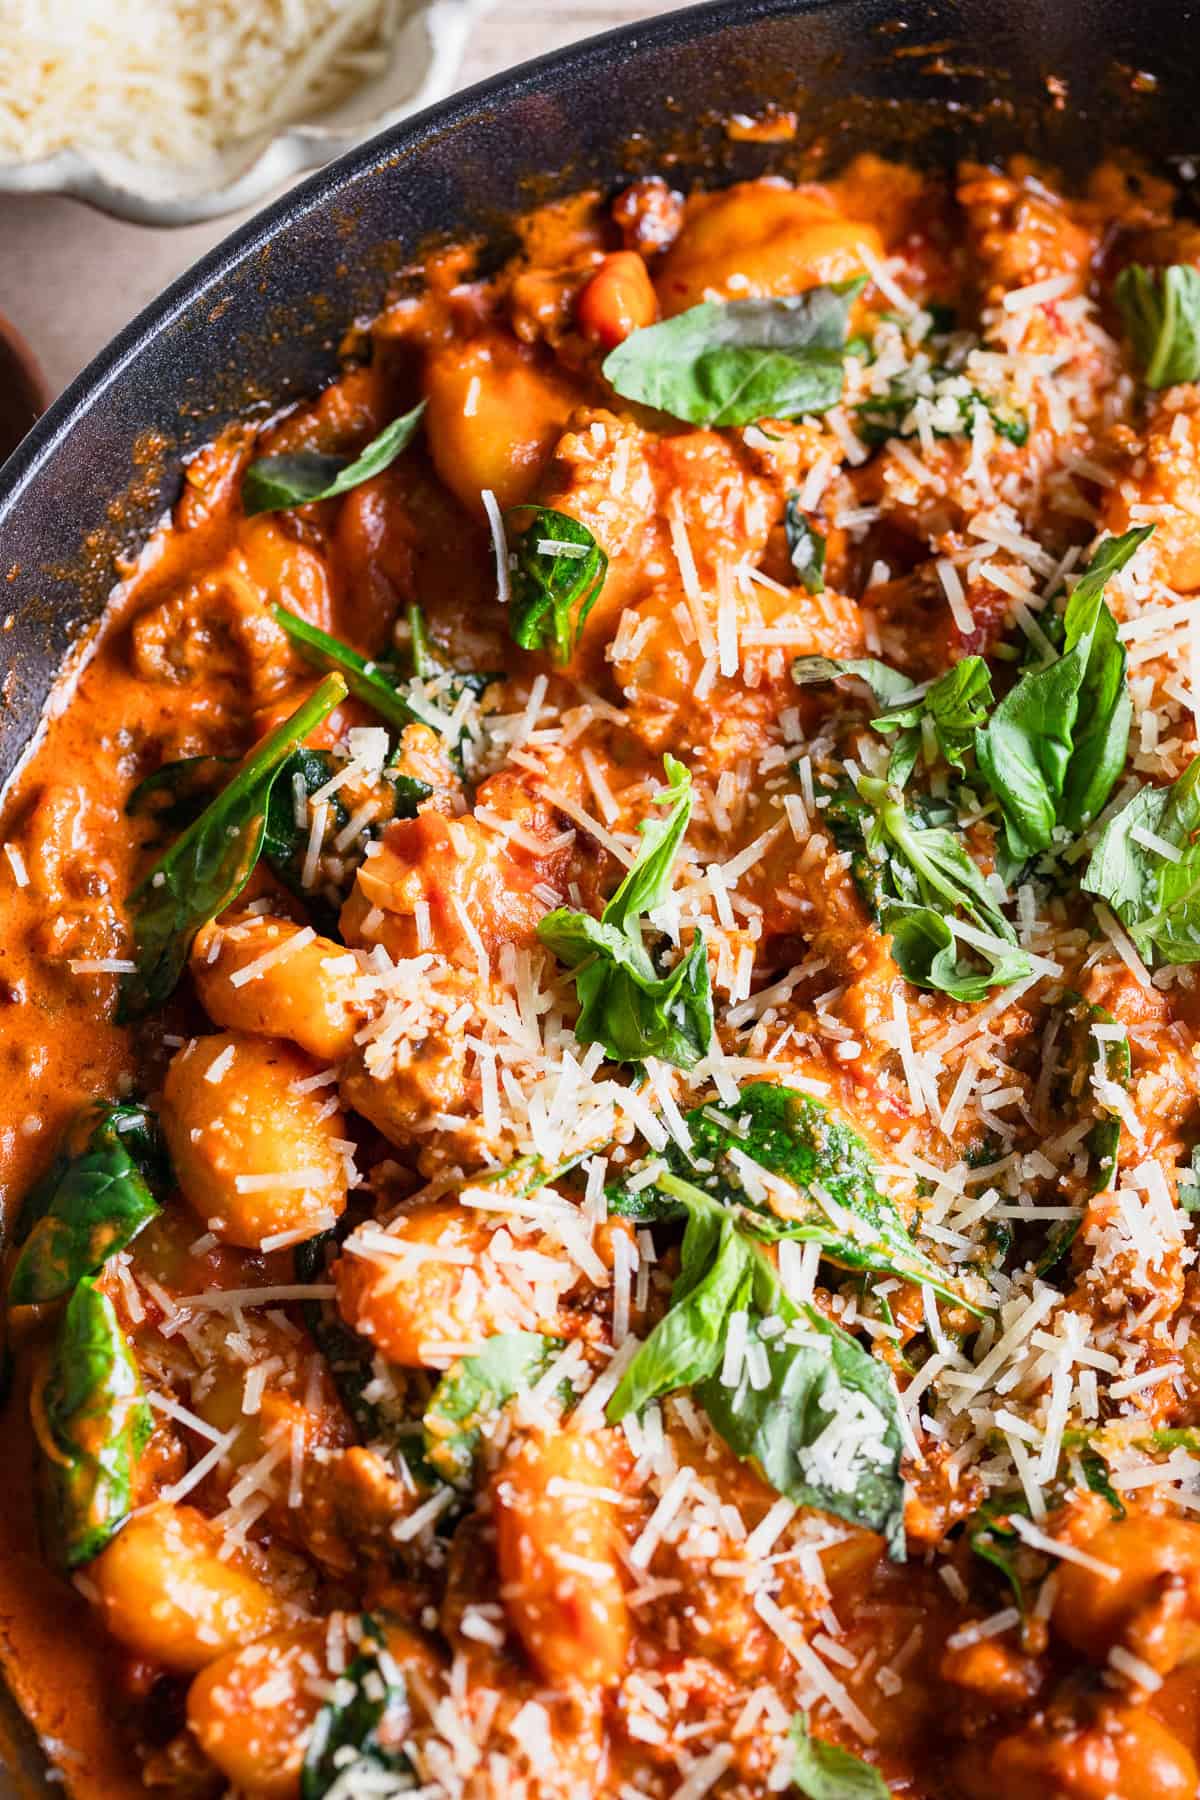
(258, 321)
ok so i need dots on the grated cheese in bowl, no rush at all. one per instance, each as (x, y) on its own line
(200, 105)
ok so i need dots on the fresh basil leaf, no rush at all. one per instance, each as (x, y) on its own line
(1057, 741)
(357, 1736)
(557, 578)
(806, 546)
(956, 704)
(824, 1428)
(206, 869)
(823, 1771)
(731, 362)
(93, 1423)
(1156, 899)
(837, 1202)
(299, 477)
(787, 1413)
(930, 884)
(887, 685)
(1189, 1190)
(472, 1392)
(96, 1204)
(993, 1539)
(624, 1002)
(1161, 311)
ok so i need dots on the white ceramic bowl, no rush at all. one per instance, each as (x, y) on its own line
(422, 64)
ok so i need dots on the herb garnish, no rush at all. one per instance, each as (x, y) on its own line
(206, 869)
(1057, 741)
(806, 546)
(1155, 892)
(299, 477)
(831, 1196)
(730, 362)
(1161, 310)
(955, 704)
(824, 1771)
(624, 1002)
(800, 1377)
(472, 1392)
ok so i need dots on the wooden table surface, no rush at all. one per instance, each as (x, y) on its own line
(70, 277)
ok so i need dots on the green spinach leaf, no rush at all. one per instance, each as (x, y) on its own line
(1154, 892)
(559, 572)
(624, 1002)
(731, 362)
(300, 476)
(361, 1730)
(806, 546)
(1057, 741)
(472, 1392)
(952, 406)
(823, 1771)
(96, 1423)
(1161, 310)
(206, 869)
(374, 683)
(92, 1205)
(1189, 1187)
(178, 792)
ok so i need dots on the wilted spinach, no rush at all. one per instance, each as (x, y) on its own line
(88, 1206)
(556, 580)
(806, 546)
(206, 869)
(93, 1423)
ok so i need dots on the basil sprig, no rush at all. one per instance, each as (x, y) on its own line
(360, 1731)
(1161, 311)
(556, 580)
(834, 1199)
(206, 869)
(298, 477)
(804, 1384)
(1057, 741)
(1156, 897)
(88, 1207)
(93, 1423)
(921, 880)
(472, 1392)
(730, 362)
(624, 1002)
(956, 705)
(824, 1771)
(806, 547)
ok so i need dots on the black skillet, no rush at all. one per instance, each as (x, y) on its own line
(258, 320)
